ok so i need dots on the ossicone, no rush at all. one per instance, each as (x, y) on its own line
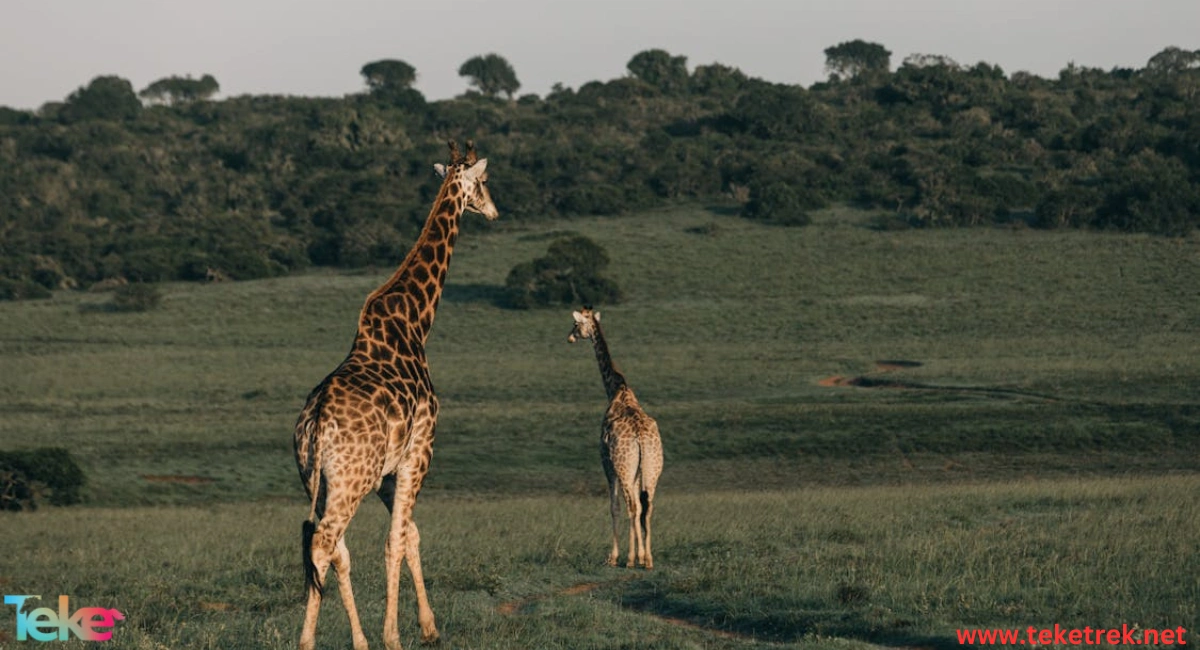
(456, 158)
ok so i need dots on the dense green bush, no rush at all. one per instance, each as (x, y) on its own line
(776, 203)
(569, 274)
(30, 476)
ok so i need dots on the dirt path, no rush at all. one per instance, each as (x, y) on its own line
(514, 607)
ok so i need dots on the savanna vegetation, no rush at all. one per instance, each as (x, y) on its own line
(168, 183)
(962, 395)
(873, 437)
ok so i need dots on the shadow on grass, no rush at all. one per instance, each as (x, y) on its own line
(473, 293)
(725, 210)
(788, 624)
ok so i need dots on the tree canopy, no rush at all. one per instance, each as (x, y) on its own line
(851, 59)
(180, 90)
(105, 98)
(388, 75)
(661, 70)
(490, 74)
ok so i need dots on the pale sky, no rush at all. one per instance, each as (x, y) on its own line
(48, 48)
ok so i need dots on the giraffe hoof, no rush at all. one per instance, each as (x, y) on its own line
(431, 639)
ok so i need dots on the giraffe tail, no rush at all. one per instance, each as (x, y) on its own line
(308, 529)
(311, 580)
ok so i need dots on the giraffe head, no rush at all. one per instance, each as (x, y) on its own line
(586, 322)
(469, 173)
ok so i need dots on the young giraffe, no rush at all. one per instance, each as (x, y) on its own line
(370, 424)
(630, 449)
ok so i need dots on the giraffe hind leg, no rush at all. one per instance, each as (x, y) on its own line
(327, 547)
(341, 564)
(634, 507)
(647, 498)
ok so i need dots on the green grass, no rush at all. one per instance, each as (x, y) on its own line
(1049, 353)
(1035, 468)
(808, 568)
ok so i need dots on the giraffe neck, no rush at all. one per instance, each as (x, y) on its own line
(403, 307)
(613, 379)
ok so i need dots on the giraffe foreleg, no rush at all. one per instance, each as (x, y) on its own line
(614, 509)
(412, 553)
(396, 544)
(402, 544)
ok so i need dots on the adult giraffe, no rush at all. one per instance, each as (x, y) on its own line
(369, 425)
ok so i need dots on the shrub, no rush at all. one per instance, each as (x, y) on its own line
(47, 473)
(135, 297)
(21, 289)
(569, 274)
(776, 203)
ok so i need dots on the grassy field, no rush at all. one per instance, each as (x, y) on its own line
(803, 568)
(1032, 461)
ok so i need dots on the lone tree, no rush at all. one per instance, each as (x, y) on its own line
(852, 59)
(180, 90)
(569, 274)
(387, 76)
(661, 70)
(491, 74)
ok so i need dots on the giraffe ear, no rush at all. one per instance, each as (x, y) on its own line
(596, 315)
(439, 169)
(578, 317)
(475, 171)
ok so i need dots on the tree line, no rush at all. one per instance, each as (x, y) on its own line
(169, 183)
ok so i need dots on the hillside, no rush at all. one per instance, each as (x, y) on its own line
(105, 186)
